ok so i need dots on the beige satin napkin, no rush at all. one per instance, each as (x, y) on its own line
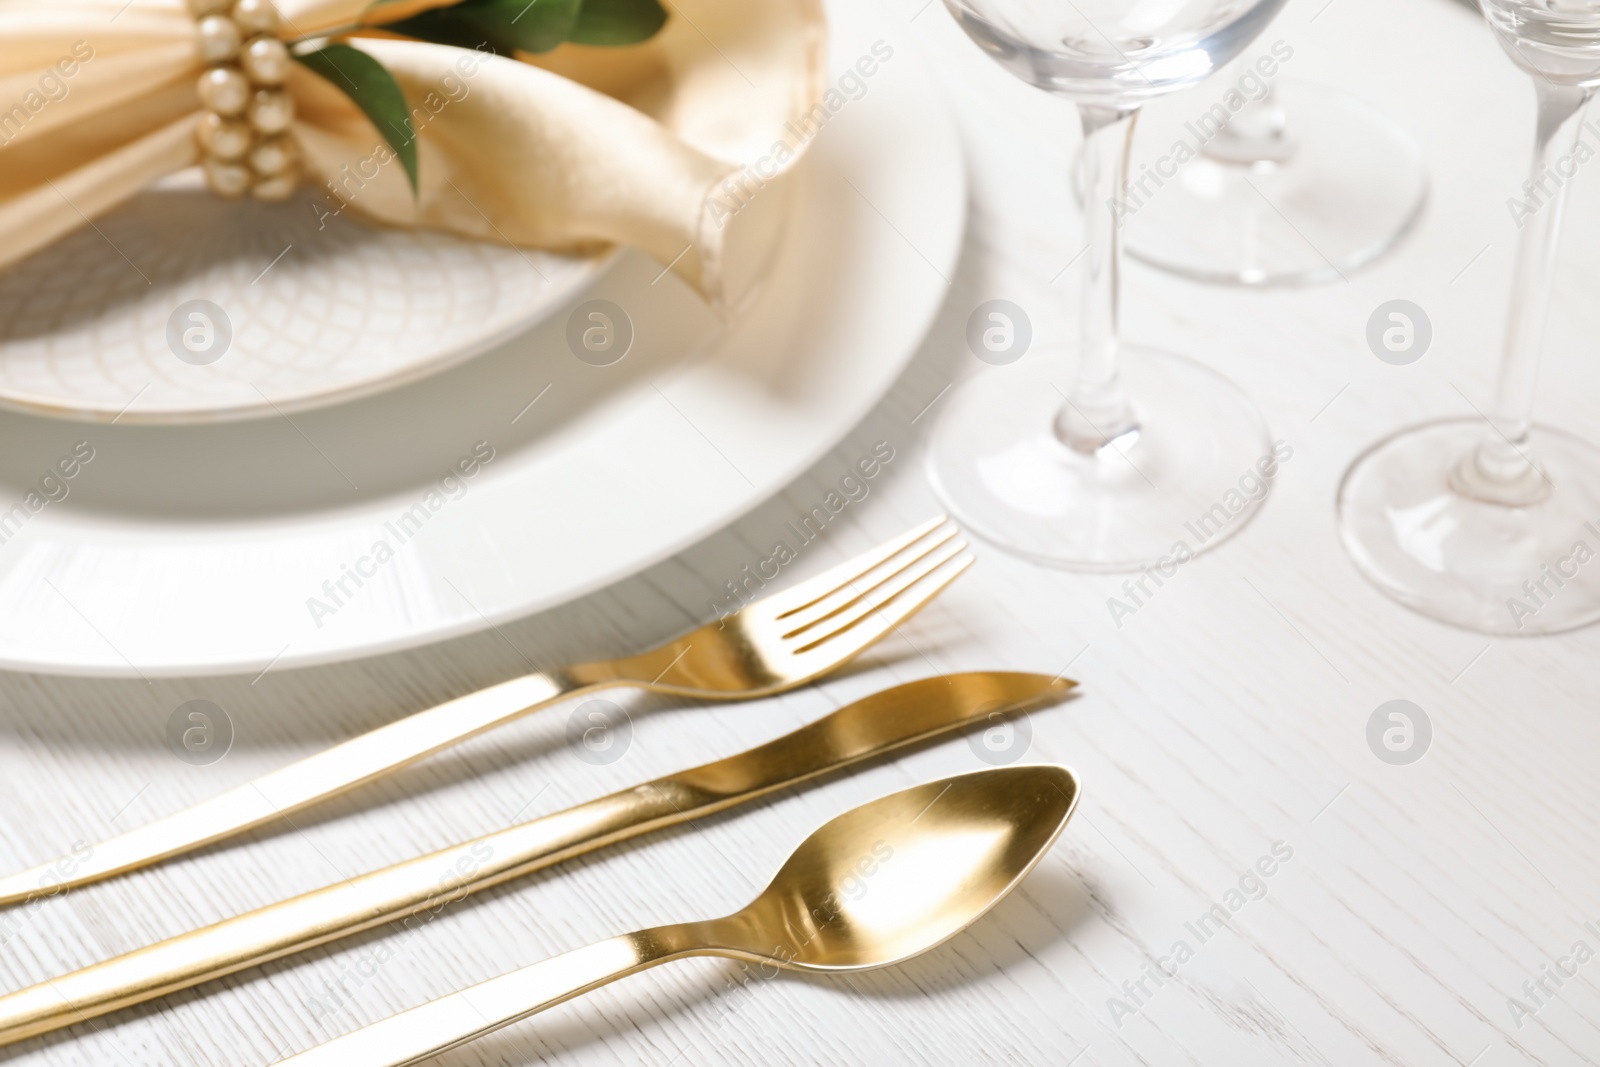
(567, 151)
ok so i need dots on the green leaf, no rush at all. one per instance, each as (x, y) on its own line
(619, 22)
(503, 26)
(373, 89)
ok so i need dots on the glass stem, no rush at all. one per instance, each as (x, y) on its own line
(1097, 411)
(1500, 470)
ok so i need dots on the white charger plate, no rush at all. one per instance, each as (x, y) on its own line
(198, 549)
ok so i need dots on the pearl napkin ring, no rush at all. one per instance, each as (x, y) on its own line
(243, 134)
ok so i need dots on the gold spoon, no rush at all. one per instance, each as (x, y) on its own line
(874, 887)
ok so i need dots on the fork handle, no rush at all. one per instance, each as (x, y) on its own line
(299, 785)
(443, 1024)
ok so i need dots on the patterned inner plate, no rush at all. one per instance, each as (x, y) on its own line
(180, 307)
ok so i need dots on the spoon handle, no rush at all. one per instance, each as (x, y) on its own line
(443, 1024)
(414, 892)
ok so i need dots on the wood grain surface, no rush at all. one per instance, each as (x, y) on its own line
(1220, 731)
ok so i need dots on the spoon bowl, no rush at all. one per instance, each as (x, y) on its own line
(897, 877)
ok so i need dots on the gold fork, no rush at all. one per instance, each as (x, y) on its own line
(778, 642)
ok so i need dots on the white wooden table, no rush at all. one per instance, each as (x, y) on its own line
(1224, 721)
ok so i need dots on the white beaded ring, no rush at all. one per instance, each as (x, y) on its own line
(242, 135)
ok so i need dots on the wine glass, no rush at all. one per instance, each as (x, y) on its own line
(1493, 524)
(1148, 458)
(1300, 184)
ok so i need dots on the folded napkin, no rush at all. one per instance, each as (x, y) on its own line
(570, 150)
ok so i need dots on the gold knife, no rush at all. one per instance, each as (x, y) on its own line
(868, 728)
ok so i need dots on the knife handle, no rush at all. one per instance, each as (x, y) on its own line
(414, 891)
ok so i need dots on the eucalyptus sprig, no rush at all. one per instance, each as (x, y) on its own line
(510, 26)
(504, 27)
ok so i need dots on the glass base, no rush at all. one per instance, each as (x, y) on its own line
(1517, 571)
(1193, 474)
(1341, 186)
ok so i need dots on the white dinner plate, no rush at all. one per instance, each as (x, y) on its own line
(180, 307)
(351, 530)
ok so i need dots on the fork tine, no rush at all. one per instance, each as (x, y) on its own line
(895, 601)
(847, 577)
(883, 581)
(851, 639)
(826, 607)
